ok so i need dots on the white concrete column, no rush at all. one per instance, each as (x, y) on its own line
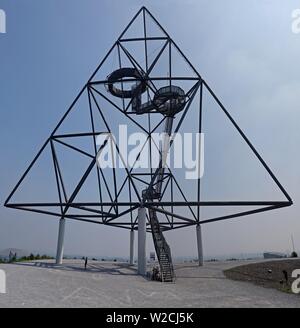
(199, 245)
(131, 247)
(142, 265)
(60, 241)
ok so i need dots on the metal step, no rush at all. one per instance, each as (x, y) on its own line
(162, 249)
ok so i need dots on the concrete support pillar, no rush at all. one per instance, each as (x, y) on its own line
(60, 241)
(142, 265)
(199, 245)
(131, 247)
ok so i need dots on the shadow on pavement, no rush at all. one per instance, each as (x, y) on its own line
(123, 269)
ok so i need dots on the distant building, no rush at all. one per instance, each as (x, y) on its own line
(274, 255)
(8, 253)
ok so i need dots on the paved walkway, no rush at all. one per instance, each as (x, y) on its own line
(109, 284)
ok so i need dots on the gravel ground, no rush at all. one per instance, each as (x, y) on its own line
(267, 274)
(111, 284)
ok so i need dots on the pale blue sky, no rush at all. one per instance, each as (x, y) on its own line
(244, 49)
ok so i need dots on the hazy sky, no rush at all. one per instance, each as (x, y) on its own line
(244, 49)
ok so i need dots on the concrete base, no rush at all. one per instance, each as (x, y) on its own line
(142, 265)
(131, 247)
(60, 241)
(199, 245)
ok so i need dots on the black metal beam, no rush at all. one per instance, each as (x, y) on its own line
(165, 203)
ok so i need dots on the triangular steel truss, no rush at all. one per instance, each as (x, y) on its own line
(118, 197)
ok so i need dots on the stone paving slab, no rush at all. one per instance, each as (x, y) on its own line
(111, 284)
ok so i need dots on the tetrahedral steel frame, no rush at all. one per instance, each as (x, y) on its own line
(109, 211)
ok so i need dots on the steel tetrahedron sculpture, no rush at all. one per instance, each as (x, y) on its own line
(146, 84)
